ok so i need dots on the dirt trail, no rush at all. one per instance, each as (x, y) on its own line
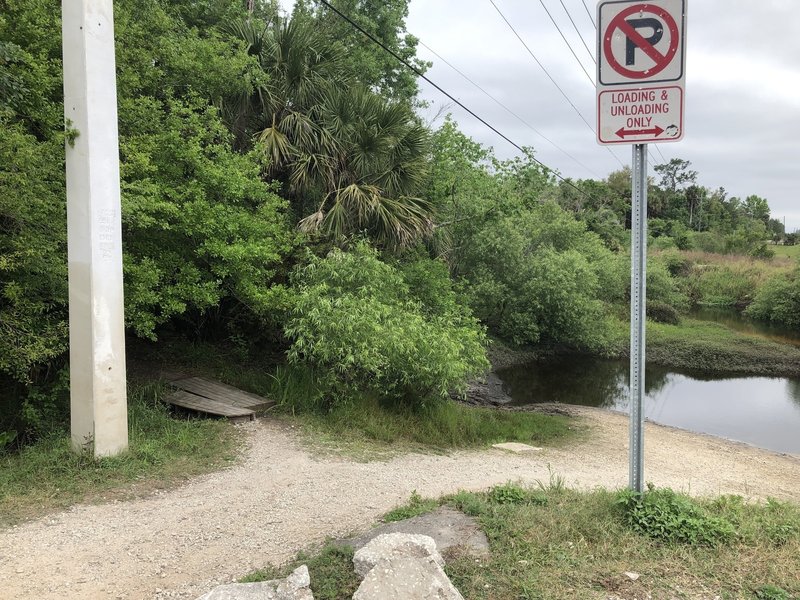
(280, 499)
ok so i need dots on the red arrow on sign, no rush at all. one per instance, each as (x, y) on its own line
(656, 131)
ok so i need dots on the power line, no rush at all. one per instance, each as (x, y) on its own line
(451, 97)
(578, 31)
(511, 112)
(555, 83)
(589, 77)
(566, 41)
(588, 12)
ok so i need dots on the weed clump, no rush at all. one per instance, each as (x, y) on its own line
(665, 515)
(511, 493)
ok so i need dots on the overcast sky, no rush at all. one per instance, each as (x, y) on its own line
(742, 128)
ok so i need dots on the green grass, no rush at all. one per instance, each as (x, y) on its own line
(727, 280)
(553, 543)
(331, 570)
(417, 505)
(370, 430)
(703, 346)
(163, 450)
(792, 252)
(579, 545)
(366, 427)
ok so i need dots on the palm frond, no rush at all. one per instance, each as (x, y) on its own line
(276, 146)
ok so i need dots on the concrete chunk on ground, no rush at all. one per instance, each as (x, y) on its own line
(403, 578)
(295, 587)
(390, 545)
(448, 527)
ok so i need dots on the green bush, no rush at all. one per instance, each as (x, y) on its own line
(357, 324)
(722, 284)
(675, 262)
(614, 273)
(662, 313)
(778, 300)
(663, 288)
(664, 515)
(708, 241)
(531, 277)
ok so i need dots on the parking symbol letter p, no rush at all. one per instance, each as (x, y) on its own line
(630, 45)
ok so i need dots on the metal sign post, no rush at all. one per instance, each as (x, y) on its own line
(641, 71)
(98, 402)
(638, 304)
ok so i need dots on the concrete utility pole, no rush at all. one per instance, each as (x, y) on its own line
(98, 401)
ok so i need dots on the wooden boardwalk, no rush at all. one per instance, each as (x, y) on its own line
(215, 398)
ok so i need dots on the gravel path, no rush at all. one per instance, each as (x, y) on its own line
(280, 499)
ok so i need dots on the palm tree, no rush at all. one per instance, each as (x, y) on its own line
(353, 160)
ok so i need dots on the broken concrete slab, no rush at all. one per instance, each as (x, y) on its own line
(392, 545)
(296, 586)
(448, 527)
(403, 578)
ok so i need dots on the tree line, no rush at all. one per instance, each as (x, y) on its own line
(279, 189)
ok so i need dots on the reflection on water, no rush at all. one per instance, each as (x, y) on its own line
(761, 411)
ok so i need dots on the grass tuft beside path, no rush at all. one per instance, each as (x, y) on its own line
(163, 450)
(553, 543)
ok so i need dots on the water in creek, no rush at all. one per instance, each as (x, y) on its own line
(761, 411)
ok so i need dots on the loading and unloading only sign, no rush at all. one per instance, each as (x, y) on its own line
(640, 71)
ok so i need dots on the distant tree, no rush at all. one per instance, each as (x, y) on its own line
(676, 174)
(777, 229)
(756, 207)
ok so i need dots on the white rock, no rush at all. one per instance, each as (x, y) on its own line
(395, 545)
(294, 587)
(631, 575)
(516, 447)
(404, 578)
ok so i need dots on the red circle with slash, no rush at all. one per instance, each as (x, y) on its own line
(661, 60)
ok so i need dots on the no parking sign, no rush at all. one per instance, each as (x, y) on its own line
(640, 71)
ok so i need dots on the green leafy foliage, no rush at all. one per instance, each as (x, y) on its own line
(384, 20)
(350, 160)
(356, 323)
(33, 273)
(204, 238)
(664, 515)
(531, 279)
(199, 226)
(512, 493)
(778, 300)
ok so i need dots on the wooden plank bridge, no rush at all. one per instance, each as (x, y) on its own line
(215, 398)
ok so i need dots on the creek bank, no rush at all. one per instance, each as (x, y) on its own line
(698, 348)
